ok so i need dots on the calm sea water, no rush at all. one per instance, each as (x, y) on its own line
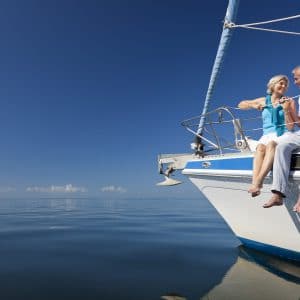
(131, 249)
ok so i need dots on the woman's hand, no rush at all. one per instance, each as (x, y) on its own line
(285, 103)
(258, 106)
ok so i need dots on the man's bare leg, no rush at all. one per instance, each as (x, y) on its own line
(296, 207)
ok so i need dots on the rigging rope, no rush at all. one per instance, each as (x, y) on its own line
(237, 108)
(261, 128)
(271, 21)
(252, 25)
(266, 29)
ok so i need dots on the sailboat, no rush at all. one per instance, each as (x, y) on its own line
(222, 169)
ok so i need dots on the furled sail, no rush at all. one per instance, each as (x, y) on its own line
(224, 42)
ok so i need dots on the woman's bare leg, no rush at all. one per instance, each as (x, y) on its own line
(257, 165)
(266, 165)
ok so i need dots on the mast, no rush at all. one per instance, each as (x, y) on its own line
(224, 42)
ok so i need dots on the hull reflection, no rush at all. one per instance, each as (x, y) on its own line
(258, 276)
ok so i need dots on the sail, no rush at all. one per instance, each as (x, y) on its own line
(224, 42)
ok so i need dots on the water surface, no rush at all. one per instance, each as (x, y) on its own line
(117, 249)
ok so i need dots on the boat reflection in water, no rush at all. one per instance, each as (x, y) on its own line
(258, 276)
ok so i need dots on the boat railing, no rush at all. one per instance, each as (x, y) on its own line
(224, 132)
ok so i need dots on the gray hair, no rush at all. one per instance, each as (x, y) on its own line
(295, 69)
(275, 79)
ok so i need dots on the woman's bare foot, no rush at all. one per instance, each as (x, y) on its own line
(276, 200)
(254, 190)
(296, 208)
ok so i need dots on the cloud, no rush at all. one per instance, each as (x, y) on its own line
(68, 188)
(7, 189)
(113, 189)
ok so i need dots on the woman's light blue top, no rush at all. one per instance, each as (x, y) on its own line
(273, 118)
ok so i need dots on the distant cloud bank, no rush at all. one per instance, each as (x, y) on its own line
(7, 189)
(68, 188)
(113, 189)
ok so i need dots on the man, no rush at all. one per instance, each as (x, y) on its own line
(282, 160)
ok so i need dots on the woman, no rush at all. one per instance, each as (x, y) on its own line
(274, 108)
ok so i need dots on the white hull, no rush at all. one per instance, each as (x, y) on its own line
(275, 230)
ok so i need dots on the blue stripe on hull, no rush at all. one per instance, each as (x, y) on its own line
(240, 163)
(284, 253)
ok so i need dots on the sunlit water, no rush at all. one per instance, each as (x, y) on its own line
(128, 249)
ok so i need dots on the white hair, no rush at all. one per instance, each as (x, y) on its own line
(296, 69)
(275, 79)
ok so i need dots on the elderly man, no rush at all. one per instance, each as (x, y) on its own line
(287, 143)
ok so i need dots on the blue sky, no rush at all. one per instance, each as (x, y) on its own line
(91, 91)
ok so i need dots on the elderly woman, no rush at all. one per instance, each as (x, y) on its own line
(274, 107)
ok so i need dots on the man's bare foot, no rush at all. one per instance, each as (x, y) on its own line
(296, 208)
(276, 200)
